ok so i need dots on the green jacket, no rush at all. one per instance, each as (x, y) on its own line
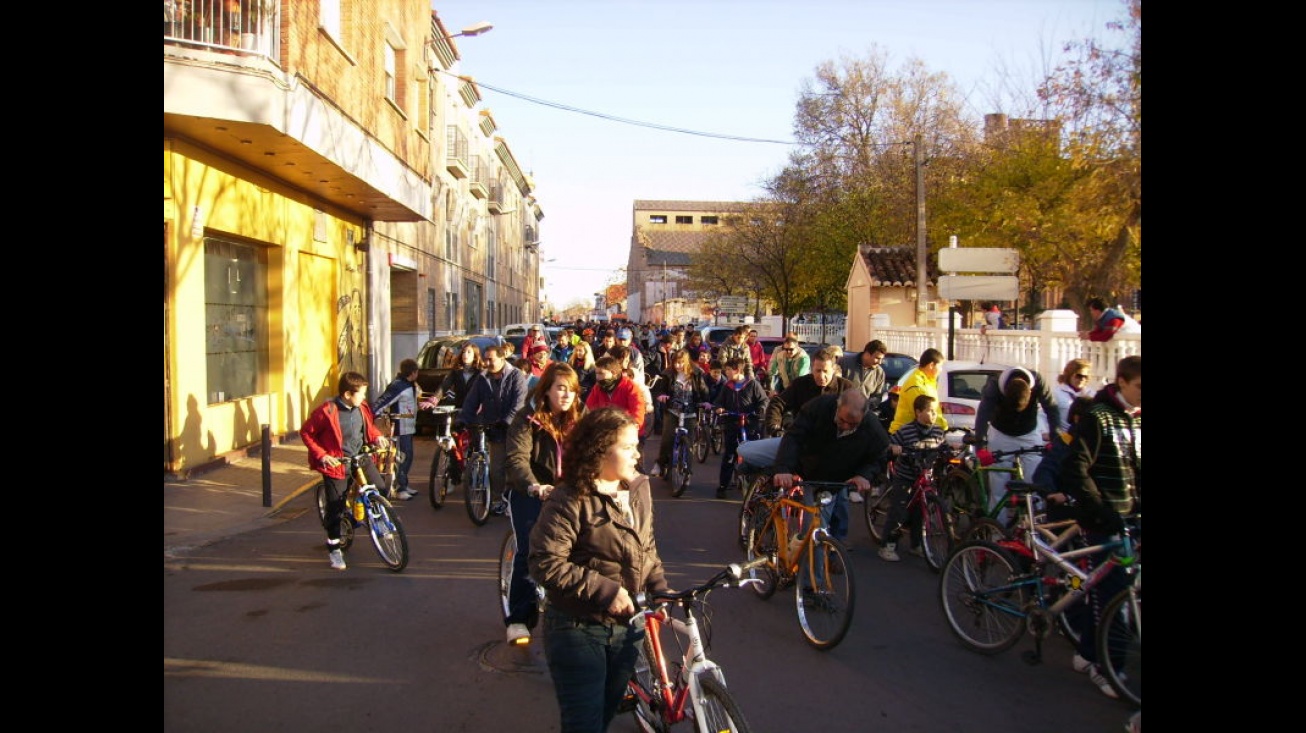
(1105, 465)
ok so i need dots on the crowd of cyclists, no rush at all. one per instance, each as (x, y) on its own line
(532, 398)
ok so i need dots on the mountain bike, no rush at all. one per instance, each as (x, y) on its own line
(666, 690)
(681, 468)
(365, 506)
(447, 463)
(477, 476)
(808, 557)
(507, 556)
(706, 418)
(927, 518)
(964, 484)
(991, 592)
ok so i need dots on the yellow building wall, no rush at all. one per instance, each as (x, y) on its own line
(316, 322)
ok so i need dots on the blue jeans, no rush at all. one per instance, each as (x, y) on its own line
(590, 663)
(401, 471)
(834, 516)
(521, 591)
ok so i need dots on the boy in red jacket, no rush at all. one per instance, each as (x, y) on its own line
(336, 430)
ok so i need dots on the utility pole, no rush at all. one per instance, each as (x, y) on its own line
(922, 281)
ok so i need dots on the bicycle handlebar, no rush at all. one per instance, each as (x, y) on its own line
(647, 602)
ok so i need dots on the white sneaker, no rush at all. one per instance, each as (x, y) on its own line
(1080, 665)
(1102, 683)
(337, 559)
(407, 494)
(888, 552)
(855, 497)
(518, 635)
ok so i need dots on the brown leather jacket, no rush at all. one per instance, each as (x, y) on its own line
(583, 550)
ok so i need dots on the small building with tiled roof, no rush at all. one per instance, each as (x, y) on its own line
(882, 285)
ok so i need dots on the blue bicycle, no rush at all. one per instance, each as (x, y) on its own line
(681, 469)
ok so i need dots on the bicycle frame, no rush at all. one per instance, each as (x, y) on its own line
(675, 693)
(782, 511)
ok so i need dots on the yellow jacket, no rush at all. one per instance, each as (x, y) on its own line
(916, 384)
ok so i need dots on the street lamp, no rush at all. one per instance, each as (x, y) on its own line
(474, 29)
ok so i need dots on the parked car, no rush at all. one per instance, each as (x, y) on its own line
(960, 385)
(895, 365)
(436, 359)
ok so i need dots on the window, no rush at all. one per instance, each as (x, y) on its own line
(451, 311)
(448, 244)
(390, 73)
(235, 319)
(657, 218)
(328, 18)
(684, 219)
(707, 220)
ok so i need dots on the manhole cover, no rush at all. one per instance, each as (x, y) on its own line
(497, 656)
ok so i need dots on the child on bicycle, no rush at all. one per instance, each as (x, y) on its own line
(335, 432)
(740, 395)
(920, 434)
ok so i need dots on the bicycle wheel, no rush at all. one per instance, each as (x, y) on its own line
(825, 594)
(346, 517)
(1120, 644)
(935, 536)
(720, 711)
(877, 510)
(647, 702)
(507, 555)
(753, 494)
(438, 485)
(983, 598)
(319, 494)
(478, 490)
(388, 536)
(763, 542)
(984, 529)
(702, 440)
(679, 468)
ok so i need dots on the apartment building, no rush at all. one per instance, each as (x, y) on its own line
(663, 236)
(334, 195)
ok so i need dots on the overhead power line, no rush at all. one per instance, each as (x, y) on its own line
(614, 118)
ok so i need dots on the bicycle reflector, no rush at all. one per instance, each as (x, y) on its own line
(985, 457)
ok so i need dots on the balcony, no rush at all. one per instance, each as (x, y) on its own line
(456, 160)
(477, 175)
(495, 202)
(244, 28)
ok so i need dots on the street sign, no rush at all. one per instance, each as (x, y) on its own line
(733, 303)
(978, 259)
(979, 287)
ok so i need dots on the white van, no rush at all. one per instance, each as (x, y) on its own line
(520, 329)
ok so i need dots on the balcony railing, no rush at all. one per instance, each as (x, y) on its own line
(241, 27)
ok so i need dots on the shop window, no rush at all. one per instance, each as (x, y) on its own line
(235, 319)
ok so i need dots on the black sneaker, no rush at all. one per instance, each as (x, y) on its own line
(721, 492)
(499, 508)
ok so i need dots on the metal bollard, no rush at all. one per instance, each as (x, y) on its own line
(267, 465)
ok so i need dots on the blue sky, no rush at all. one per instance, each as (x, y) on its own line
(728, 67)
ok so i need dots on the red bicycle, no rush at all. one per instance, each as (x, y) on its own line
(927, 517)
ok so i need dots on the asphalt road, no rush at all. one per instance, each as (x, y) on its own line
(261, 635)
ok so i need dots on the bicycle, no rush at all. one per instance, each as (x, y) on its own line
(681, 469)
(964, 484)
(478, 476)
(447, 464)
(927, 517)
(991, 592)
(808, 557)
(508, 556)
(703, 425)
(661, 686)
(364, 504)
(742, 418)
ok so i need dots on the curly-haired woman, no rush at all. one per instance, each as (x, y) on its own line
(593, 550)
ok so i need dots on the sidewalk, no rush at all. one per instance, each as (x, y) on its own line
(227, 499)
